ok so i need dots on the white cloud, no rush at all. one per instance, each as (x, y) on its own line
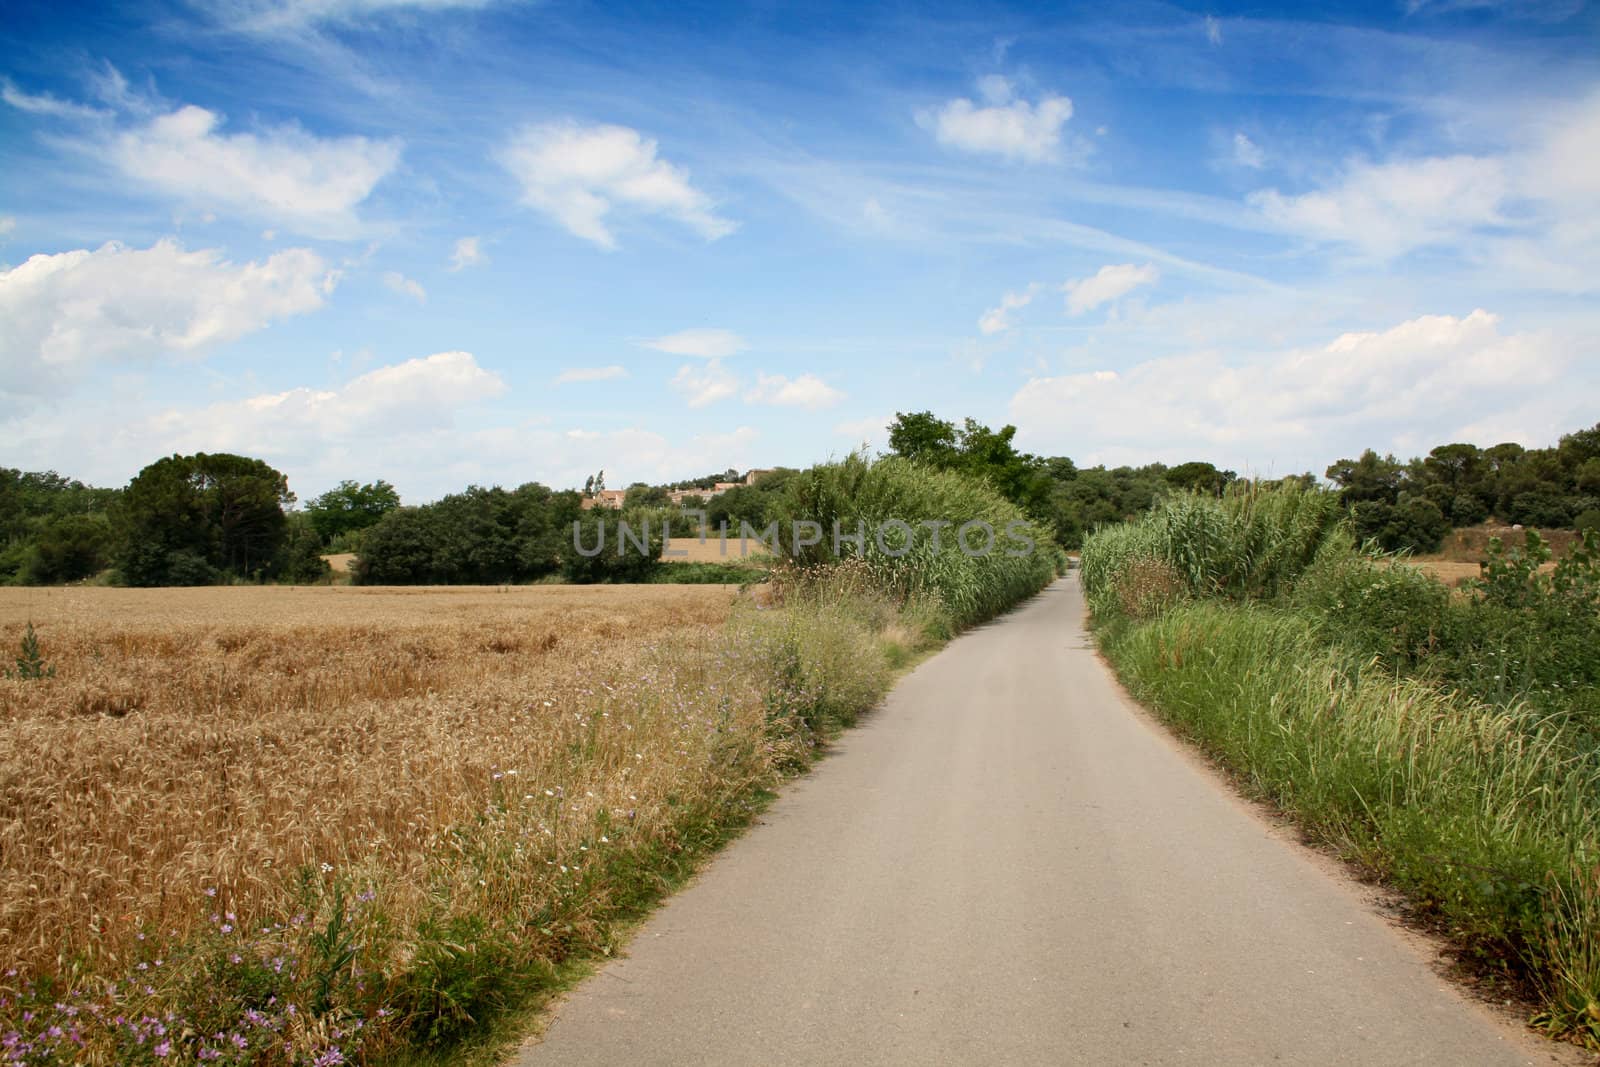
(8, 223)
(1213, 30)
(1423, 380)
(60, 313)
(1107, 284)
(807, 391)
(704, 384)
(1246, 153)
(578, 174)
(468, 252)
(1006, 127)
(403, 398)
(590, 374)
(1390, 208)
(274, 16)
(405, 286)
(704, 343)
(45, 104)
(284, 174)
(997, 319)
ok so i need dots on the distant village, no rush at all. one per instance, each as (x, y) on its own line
(612, 498)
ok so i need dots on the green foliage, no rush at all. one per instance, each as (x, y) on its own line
(974, 450)
(52, 529)
(185, 519)
(300, 559)
(615, 546)
(859, 496)
(1252, 543)
(30, 664)
(480, 536)
(707, 573)
(349, 507)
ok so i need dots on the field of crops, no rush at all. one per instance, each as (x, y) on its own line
(208, 779)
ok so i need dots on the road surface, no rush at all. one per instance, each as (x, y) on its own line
(1009, 864)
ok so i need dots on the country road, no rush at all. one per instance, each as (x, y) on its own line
(1008, 863)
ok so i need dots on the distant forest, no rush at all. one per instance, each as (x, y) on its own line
(209, 518)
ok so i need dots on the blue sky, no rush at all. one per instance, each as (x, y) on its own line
(454, 241)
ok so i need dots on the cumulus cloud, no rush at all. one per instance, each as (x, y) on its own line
(1001, 124)
(1423, 379)
(283, 174)
(403, 398)
(578, 174)
(1386, 209)
(405, 286)
(1107, 284)
(997, 319)
(468, 252)
(704, 384)
(590, 374)
(807, 391)
(1246, 153)
(705, 343)
(61, 313)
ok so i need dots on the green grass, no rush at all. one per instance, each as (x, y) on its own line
(1318, 677)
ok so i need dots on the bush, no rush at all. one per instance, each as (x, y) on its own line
(915, 560)
(1251, 544)
(1375, 607)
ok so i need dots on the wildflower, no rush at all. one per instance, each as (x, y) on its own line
(163, 1050)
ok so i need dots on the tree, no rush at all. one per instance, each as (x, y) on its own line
(1198, 477)
(183, 516)
(923, 437)
(349, 507)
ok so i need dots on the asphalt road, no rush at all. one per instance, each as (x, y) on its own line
(1010, 864)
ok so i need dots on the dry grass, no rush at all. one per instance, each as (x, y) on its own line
(1471, 544)
(224, 739)
(715, 550)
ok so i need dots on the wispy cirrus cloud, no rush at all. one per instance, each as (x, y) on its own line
(46, 104)
(283, 16)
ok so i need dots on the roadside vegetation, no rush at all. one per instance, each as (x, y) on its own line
(1446, 741)
(324, 825)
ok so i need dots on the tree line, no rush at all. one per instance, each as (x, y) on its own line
(208, 518)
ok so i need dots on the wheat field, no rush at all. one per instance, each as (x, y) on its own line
(208, 753)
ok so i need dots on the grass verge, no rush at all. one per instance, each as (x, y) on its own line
(1357, 697)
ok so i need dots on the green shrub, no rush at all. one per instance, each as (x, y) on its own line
(918, 561)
